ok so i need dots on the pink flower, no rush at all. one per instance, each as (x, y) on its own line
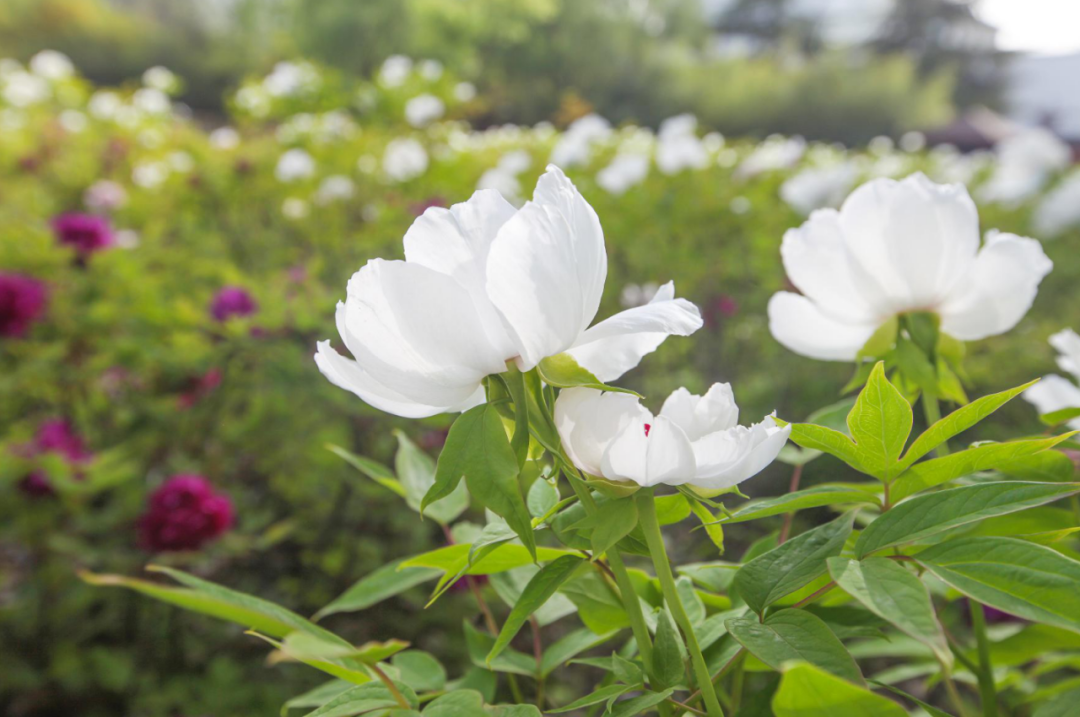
(54, 436)
(86, 233)
(719, 308)
(200, 388)
(184, 514)
(232, 301)
(22, 301)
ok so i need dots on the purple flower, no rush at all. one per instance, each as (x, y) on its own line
(22, 301)
(184, 514)
(86, 233)
(232, 301)
(54, 436)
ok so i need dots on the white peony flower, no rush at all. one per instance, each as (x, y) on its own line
(694, 440)
(294, 165)
(772, 154)
(335, 188)
(896, 247)
(431, 70)
(151, 101)
(224, 138)
(150, 175)
(104, 195)
(161, 78)
(638, 295)
(678, 146)
(1026, 162)
(294, 208)
(627, 169)
(503, 182)
(574, 147)
(403, 159)
(21, 89)
(73, 121)
(464, 91)
(1054, 393)
(395, 70)
(424, 109)
(1060, 209)
(482, 284)
(104, 104)
(819, 187)
(288, 79)
(52, 65)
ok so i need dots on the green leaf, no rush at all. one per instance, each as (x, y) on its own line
(478, 449)
(712, 526)
(515, 384)
(1062, 705)
(503, 557)
(459, 703)
(601, 695)
(955, 465)
(637, 705)
(416, 472)
(833, 416)
(1047, 466)
(815, 497)
(1057, 418)
(915, 366)
(934, 513)
(479, 645)
(791, 634)
(627, 671)
(340, 660)
(542, 497)
(668, 652)
(318, 696)
(893, 593)
(881, 341)
(692, 602)
(389, 580)
(511, 584)
(930, 709)
(563, 371)
(612, 521)
(420, 670)
(785, 569)
(218, 601)
(566, 648)
(372, 469)
(598, 607)
(1017, 576)
(806, 691)
(827, 440)
(957, 422)
(364, 698)
(880, 424)
(537, 592)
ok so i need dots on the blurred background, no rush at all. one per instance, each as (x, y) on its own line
(187, 185)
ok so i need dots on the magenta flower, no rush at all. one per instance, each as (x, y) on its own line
(184, 514)
(54, 436)
(85, 233)
(232, 301)
(22, 301)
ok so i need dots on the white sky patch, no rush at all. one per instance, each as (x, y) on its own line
(1050, 27)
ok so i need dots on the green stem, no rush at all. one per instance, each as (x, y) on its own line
(622, 578)
(932, 412)
(987, 688)
(651, 527)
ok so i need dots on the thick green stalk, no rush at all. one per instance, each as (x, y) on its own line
(626, 588)
(987, 689)
(651, 527)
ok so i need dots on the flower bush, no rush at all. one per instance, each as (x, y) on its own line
(616, 563)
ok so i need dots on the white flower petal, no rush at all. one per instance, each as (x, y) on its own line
(1054, 393)
(347, 374)
(817, 261)
(701, 415)
(650, 453)
(617, 344)
(998, 290)
(546, 269)
(914, 238)
(588, 420)
(417, 332)
(727, 458)
(1067, 342)
(797, 323)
